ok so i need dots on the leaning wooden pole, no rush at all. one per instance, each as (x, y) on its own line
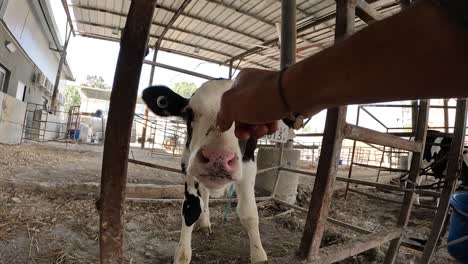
(119, 125)
(405, 212)
(453, 172)
(331, 148)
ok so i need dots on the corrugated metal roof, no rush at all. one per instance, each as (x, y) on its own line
(219, 30)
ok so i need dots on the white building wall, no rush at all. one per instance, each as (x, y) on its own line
(23, 22)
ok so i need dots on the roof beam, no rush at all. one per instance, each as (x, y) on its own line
(167, 9)
(229, 43)
(107, 38)
(232, 44)
(304, 26)
(177, 69)
(162, 25)
(178, 42)
(245, 13)
(157, 37)
(211, 23)
(366, 12)
(300, 10)
(170, 23)
(316, 22)
(69, 20)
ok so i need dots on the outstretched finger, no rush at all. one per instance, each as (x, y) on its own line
(242, 131)
(259, 131)
(223, 122)
(272, 127)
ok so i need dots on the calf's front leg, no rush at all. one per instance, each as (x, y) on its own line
(204, 222)
(247, 211)
(191, 210)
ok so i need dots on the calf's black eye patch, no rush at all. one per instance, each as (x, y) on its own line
(163, 101)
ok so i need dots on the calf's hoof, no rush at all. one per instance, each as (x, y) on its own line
(262, 262)
(182, 255)
(205, 229)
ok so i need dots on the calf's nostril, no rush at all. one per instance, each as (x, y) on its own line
(232, 162)
(202, 157)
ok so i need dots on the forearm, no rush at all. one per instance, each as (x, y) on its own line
(419, 53)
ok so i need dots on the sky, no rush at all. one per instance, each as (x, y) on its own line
(98, 57)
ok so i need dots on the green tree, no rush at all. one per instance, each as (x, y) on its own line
(185, 89)
(96, 82)
(72, 97)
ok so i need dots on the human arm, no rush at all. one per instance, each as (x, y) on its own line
(418, 53)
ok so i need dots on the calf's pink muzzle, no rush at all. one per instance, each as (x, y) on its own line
(216, 161)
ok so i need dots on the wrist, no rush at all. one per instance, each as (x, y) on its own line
(280, 106)
(281, 92)
(304, 99)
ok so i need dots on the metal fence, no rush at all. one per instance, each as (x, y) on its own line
(40, 124)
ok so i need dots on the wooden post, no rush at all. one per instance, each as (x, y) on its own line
(453, 172)
(119, 125)
(337, 252)
(350, 172)
(331, 147)
(405, 211)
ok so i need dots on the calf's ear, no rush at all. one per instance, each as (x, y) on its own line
(163, 101)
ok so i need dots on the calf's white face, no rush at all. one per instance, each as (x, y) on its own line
(213, 158)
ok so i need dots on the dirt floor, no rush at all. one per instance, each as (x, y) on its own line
(38, 227)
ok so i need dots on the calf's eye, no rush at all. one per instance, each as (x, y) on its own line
(162, 102)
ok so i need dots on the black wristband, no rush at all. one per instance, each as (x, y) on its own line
(280, 90)
(457, 10)
(294, 120)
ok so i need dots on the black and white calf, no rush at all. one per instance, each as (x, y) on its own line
(435, 158)
(212, 162)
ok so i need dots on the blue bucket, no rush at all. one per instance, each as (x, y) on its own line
(459, 226)
(74, 134)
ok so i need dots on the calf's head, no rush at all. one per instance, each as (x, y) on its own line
(213, 158)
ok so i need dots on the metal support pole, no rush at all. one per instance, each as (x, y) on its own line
(145, 122)
(414, 115)
(288, 56)
(446, 116)
(407, 206)
(453, 172)
(331, 147)
(288, 33)
(119, 126)
(231, 62)
(145, 125)
(63, 56)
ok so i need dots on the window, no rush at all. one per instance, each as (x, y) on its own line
(21, 91)
(3, 78)
(44, 103)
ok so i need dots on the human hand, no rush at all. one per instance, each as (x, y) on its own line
(253, 103)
